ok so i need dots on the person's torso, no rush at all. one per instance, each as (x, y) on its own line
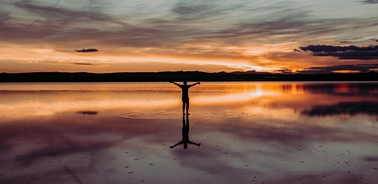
(185, 91)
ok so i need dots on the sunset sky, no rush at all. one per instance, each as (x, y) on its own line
(204, 35)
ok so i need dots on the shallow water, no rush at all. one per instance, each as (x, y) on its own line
(250, 132)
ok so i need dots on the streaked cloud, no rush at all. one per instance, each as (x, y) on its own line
(87, 50)
(260, 34)
(87, 64)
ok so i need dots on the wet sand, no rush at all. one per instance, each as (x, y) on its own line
(249, 133)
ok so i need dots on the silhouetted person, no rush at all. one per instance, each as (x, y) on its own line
(185, 95)
(185, 134)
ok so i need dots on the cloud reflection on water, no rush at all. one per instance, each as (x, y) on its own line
(237, 145)
(349, 108)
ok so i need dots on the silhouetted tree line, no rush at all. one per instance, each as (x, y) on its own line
(179, 76)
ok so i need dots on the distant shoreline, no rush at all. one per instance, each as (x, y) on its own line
(180, 76)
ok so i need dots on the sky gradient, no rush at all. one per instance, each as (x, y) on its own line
(171, 35)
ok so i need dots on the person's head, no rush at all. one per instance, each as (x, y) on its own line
(185, 145)
(185, 82)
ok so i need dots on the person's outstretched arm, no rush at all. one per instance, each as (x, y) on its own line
(176, 145)
(195, 84)
(197, 144)
(174, 83)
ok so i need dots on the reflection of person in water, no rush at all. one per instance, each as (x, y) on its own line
(185, 95)
(185, 134)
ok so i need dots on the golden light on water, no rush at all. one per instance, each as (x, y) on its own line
(129, 128)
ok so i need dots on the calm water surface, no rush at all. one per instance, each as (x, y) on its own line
(249, 133)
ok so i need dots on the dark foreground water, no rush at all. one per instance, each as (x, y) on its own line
(248, 133)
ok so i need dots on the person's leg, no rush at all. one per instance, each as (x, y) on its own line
(183, 107)
(187, 107)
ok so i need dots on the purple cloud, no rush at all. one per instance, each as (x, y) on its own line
(344, 52)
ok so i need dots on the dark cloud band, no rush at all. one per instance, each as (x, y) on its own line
(344, 52)
(370, 1)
